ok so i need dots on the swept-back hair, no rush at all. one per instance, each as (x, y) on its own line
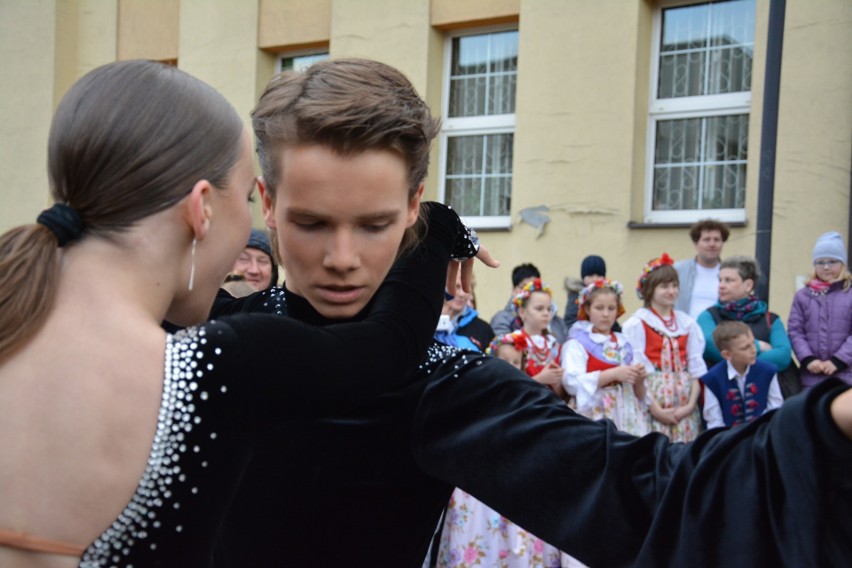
(128, 140)
(350, 106)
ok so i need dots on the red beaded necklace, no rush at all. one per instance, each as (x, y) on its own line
(670, 323)
(540, 355)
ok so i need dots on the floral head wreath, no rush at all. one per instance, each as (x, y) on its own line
(535, 286)
(650, 267)
(600, 284)
(516, 339)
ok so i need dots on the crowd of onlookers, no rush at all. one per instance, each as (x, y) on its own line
(702, 352)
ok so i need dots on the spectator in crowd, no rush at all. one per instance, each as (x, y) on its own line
(699, 276)
(737, 279)
(599, 363)
(342, 482)
(256, 262)
(511, 348)
(592, 268)
(507, 320)
(740, 388)
(670, 344)
(820, 322)
(534, 307)
(462, 327)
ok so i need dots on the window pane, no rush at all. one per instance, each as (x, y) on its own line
(700, 163)
(301, 62)
(706, 49)
(479, 174)
(482, 74)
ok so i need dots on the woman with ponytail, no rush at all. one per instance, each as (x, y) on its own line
(121, 444)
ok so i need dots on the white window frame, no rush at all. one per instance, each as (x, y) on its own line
(471, 126)
(279, 62)
(679, 108)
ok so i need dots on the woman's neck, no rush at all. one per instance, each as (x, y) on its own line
(602, 331)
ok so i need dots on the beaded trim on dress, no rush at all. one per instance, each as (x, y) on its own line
(182, 396)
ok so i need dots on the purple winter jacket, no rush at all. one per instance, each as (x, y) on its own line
(820, 326)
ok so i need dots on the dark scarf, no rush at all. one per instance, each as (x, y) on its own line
(745, 309)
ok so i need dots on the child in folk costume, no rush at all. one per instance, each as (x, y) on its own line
(510, 347)
(599, 363)
(671, 346)
(534, 307)
(475, 534)
(740, 387)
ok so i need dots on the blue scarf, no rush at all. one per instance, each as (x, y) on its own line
(749, 308)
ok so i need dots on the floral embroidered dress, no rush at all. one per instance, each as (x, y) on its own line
(584, 356)
(476, 535)
(673, 357)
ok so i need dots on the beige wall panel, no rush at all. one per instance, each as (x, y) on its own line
(814, 140)
(46, 46)
(396, 32)
(218, 44)
(27, 42)
(452, 13)
(85, 39)
(148, 29)
(293, 23)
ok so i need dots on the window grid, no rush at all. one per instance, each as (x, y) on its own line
(698, 131)
(478, 126)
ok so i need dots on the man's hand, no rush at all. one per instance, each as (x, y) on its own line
(466, 268)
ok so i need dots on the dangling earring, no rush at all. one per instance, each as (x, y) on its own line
(192, 270)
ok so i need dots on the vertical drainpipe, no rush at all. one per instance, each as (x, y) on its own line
(849, 229)
(768, 142)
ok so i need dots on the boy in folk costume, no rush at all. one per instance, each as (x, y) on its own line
(740, 388)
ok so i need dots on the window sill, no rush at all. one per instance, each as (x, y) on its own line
(497, 223)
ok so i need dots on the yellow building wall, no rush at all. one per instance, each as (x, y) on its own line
(582, 105)
(45, 45)
(293, 24)
(148, 29)
(812, 174)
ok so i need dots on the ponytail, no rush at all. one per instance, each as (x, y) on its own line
(29, 273)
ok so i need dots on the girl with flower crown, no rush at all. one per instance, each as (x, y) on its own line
(599, 363)
(510, 347)
(671, 346)
(534, 307)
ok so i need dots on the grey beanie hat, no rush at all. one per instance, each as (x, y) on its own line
(830, 245)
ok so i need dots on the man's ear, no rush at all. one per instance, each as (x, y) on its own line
(267, 203)
(414, 206)
(198, 210)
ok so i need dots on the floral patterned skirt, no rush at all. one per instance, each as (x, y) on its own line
(476, 535)
(618, 403)
(671, 389)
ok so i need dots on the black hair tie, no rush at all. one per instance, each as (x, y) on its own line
(63, 221)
